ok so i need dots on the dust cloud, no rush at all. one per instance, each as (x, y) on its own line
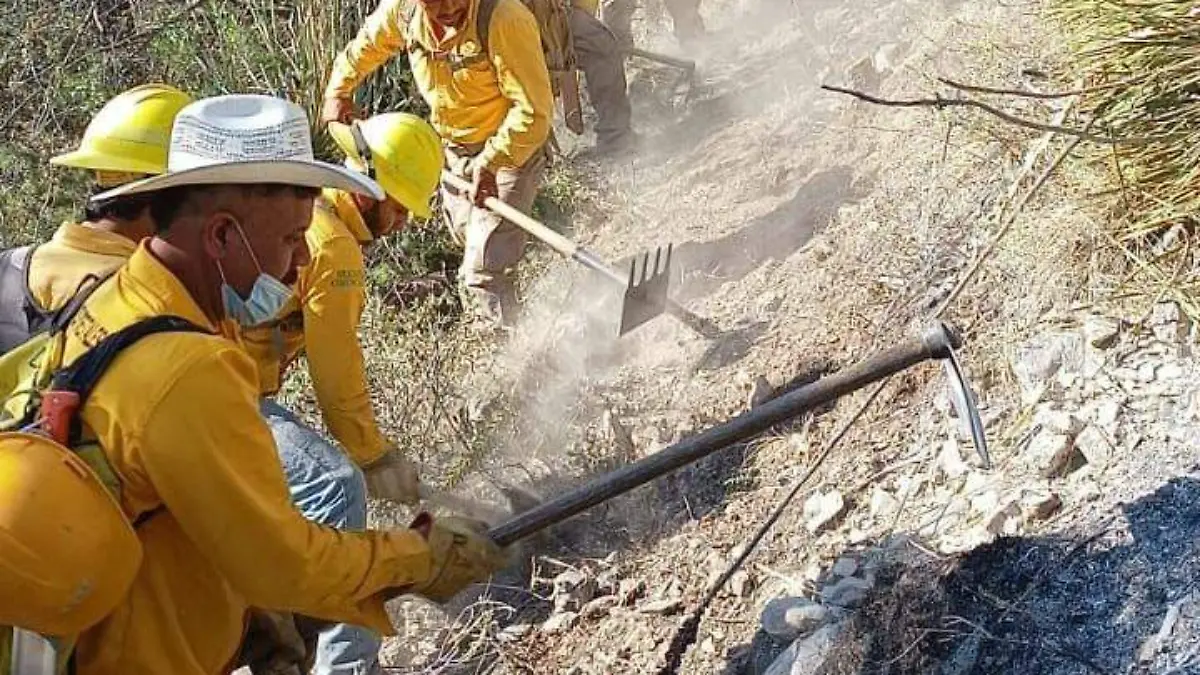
(736, 177)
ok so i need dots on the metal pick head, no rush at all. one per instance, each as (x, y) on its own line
(964, 403)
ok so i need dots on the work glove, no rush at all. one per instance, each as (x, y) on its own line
(274, 645)
(483, 183)
(461, 554)
(393, 477)
(337, 110)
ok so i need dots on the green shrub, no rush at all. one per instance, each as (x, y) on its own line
(64, 58)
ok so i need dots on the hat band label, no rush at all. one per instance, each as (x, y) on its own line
(217, 144)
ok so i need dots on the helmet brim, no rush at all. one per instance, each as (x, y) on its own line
(302, 173)
(405, 194)
(97, 161)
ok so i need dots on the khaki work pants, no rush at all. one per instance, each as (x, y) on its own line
(599, 56)
(491, 245)
(685, 14)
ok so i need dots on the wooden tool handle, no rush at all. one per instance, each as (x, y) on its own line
(555, 240)
(682, 64)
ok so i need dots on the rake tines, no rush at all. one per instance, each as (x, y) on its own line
(646, 293)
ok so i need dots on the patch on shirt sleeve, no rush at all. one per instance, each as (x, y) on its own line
(348, 278)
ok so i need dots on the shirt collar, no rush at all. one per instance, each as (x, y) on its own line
(160, 292)
(450, 36)
(343, 206)
(81, 236)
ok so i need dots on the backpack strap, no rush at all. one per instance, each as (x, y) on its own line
(37, 317)
(20, 261)
(59, 318)
(483, 24)
(80, 377)
(21, 315)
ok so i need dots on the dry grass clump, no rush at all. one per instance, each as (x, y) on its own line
(1141, 63)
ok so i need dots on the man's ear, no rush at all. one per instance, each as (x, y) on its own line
(400, 218)
(363, 203)
(216, 235)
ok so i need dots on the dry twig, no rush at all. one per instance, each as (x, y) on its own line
(1008, 223)
(688, 631)
(942, 103)
(1024, 93)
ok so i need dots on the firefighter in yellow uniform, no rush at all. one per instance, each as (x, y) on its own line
(490, 101)
(177, 416)
(402, 153)
(125, 141)
(618, 16)
(599, 54)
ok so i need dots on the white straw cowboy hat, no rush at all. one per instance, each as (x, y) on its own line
(245, 139)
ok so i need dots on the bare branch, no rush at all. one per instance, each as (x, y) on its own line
(942, 103)
(1008, 222)
(1031, 94)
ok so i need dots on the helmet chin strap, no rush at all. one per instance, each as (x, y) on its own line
(112, 179)
(364, 150)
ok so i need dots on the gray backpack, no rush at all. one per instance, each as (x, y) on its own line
(18, 312)
(21, 317)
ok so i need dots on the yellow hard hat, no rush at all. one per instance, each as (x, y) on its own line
(130, 136)
(402, 153)
(67, 553)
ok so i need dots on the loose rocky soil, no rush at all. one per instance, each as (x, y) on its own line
(815, 230)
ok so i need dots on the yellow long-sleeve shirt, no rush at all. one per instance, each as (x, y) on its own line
(322, 321)
(59, 267)
(503, 101)
(177, 417)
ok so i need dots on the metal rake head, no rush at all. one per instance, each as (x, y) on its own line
(646, 292)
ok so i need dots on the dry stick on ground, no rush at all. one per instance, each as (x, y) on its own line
(1035, 94)
(942, 103)
(690, 628)
(1007, 226)
(688, 631)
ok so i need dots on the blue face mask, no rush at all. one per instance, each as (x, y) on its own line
(267, 296)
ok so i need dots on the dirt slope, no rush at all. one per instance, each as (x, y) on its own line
(813, 230)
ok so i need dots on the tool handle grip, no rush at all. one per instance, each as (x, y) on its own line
(935, 343)
(555, 240)
(683, 64)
